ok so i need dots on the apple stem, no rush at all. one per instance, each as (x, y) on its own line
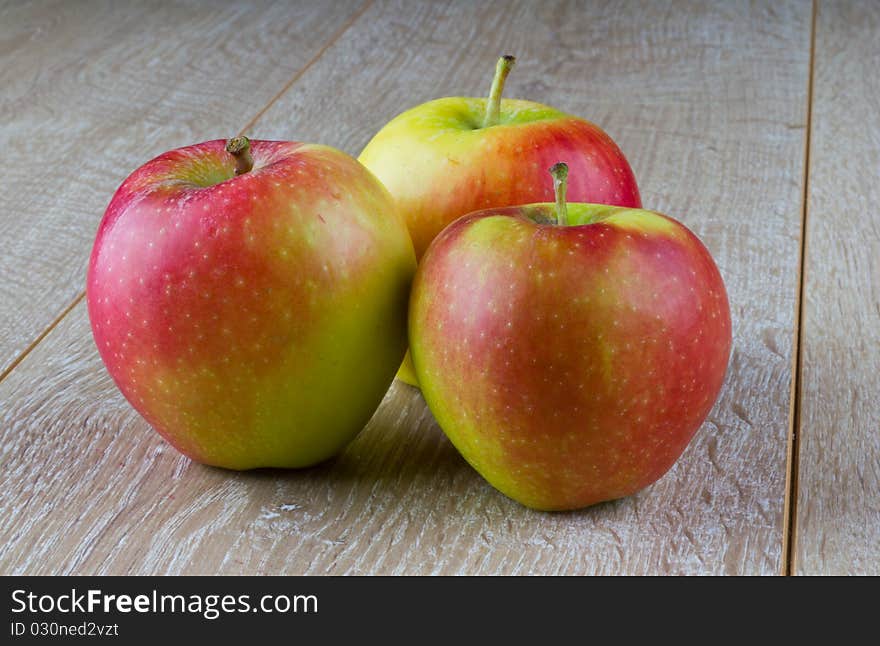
(493, 107)
(240, 149)
(560, 183)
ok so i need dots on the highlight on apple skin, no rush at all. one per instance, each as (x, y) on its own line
(452, 156)
(249, 299)
(569, 351)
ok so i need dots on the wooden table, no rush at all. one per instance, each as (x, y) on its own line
(755, 123)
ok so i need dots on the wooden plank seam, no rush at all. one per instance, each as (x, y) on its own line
(789, 526)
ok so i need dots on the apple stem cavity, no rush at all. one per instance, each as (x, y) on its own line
(560, 183)
(240, 149)
(493, 107)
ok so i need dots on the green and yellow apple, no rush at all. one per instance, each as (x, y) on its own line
(249, 299)
(452, 156)
(569, 351)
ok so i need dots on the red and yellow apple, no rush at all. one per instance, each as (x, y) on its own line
(249, 299)
(569, 351)
(452, 156)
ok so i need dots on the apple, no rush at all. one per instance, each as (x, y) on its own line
(249, 299)
(452, 156)
(569, 351)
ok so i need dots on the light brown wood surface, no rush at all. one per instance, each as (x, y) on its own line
(93, 89)
(709, 101)
(838, 519)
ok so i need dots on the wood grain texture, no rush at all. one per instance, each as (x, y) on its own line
(92, 90)
(838, 520)
(707, 101)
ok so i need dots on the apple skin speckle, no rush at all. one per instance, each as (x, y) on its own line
(236, 312)
(584, 387)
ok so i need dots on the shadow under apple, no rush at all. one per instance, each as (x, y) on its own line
(401, 456)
